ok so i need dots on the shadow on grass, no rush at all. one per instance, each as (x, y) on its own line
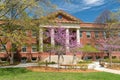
(13, 71)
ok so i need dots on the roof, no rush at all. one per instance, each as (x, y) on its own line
(66, 18)
(92, 25)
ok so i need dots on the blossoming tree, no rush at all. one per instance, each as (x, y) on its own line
(60, 41)
(111, 40)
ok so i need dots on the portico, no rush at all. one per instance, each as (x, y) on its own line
(76, 27)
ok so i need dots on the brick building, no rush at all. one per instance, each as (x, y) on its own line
(86, 33)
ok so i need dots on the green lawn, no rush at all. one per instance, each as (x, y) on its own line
(23, 74)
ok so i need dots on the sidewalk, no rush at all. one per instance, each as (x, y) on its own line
(20, 65)
(108, 70)
(94, 66)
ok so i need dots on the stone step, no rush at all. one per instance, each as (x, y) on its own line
(66, 59)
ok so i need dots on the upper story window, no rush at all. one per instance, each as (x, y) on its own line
(81, 34)
(14, 48)
(96, 34)
(88, 34)
(104, 34)
(34, 33)
(26, 33)
(118, 34)
(2, 48)
(24, 48)
(34, 47)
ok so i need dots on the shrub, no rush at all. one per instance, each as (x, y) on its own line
(13, 71)
(83, 67)
(4, 63)
(113, 60)
(43, 63)
(85, 62)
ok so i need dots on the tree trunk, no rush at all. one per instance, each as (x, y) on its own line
(50, 57)
(11, 57)
(58, 61)
(94, 57)
(74, 59)
(0, 60)
(84, 56)
(110, 59)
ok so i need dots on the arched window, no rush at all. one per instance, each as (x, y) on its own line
(59, 17)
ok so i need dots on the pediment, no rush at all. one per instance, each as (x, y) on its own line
(62, 16)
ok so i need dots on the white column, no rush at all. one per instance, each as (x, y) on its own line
(78, 36)
(52, 37)
(41, 39)
(67, 40)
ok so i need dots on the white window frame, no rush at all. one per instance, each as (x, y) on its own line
(104, 35)
(34, 34)
(88, 33)
(32, 48)
(96, 34)
(2, 48)
(22, 49)
(81, 34)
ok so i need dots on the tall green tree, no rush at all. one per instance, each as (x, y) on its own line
(17, 16)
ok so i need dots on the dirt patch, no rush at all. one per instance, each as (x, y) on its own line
(50, 69)
(114, 66)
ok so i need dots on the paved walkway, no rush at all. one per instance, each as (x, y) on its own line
(94, 65)
(20, 65)
(108, 70)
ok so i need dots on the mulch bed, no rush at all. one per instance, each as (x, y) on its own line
(50, 69)
(114, 66)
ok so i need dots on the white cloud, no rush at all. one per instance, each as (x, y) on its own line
(115, 9)
(93, 2)
(79, 5)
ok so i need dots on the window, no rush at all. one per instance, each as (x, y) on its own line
(118, 34)
(96, 46)
(34, 34)
(24, 48)
(81, 33)
(26, 33)
(2, 49)
(88, 34)
(96, 34)
(34, 48)
(14, 48)
(59, 17)
(104, 34)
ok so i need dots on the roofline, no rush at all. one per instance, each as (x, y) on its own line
(60, 11)
(94, 23)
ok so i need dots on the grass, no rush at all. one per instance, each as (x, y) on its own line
(113, 60)
(23, 74)
(85, 62)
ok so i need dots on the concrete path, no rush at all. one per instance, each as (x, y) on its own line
(94, 65)
(108, 70)
(20, 65)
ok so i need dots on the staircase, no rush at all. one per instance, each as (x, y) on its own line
(67, 59)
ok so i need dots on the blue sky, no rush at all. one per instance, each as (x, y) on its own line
(86, 10)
